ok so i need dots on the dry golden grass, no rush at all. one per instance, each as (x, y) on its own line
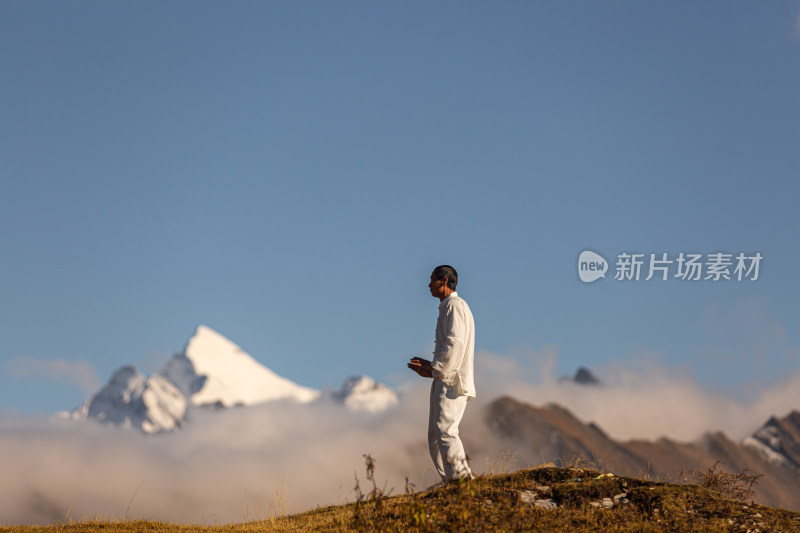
(492, 503)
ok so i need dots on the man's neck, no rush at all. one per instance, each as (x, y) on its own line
(447, 292)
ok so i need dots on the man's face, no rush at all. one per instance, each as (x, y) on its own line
(437, 287)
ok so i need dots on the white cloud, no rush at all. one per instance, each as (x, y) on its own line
(79, 372)
(222, 467)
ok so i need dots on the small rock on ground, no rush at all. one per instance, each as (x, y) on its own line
(531, 497)
(546, 504)
(605, 503)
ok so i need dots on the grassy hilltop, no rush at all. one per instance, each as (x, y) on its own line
(539, 499)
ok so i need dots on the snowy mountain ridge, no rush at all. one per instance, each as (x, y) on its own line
(211, 371)
(778, 441)
(362, 393)
(130, 399)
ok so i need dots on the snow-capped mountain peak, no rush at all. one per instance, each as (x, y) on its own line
(212, 370)
(777, 440)
(132, 400)
(362, 393)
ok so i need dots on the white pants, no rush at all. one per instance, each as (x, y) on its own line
(446, 449)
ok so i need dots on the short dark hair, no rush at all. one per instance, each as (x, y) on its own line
(446, 271)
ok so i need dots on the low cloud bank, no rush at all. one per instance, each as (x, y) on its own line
(224, 466)
(250, 463)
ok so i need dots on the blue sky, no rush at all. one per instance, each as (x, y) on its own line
(289, 174)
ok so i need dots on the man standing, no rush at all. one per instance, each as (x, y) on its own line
(451, 370)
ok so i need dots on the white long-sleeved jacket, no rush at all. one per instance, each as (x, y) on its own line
(454, 351)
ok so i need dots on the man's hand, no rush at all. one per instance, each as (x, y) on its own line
(421, 366)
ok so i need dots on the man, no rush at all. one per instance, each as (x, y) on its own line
(451, 370)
